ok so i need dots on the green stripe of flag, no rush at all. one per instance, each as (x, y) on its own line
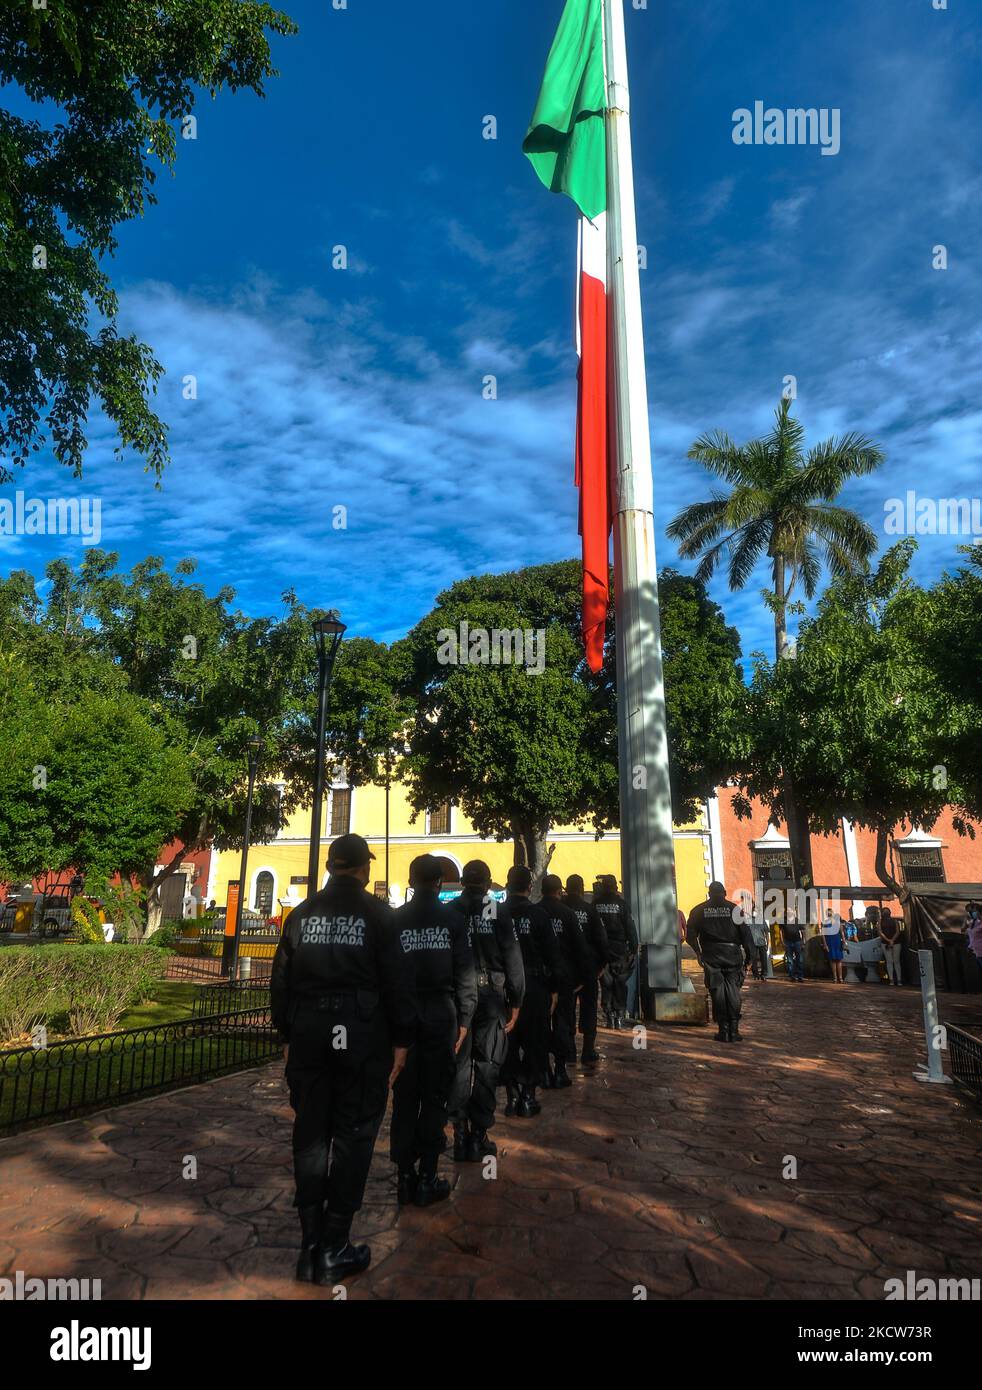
(566, 138)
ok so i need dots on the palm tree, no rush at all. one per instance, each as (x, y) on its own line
(781, 505)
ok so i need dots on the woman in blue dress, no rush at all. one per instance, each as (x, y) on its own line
(834, 940)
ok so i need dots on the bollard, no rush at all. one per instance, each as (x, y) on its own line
(245, 967)
(932, 1030)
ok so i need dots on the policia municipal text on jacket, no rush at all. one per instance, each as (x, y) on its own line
(342, 999)
(435, 939)
(723, 945)
(500, 992)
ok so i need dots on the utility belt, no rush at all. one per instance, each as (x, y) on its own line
(491, 979)
(534, 972)
(353, 1003)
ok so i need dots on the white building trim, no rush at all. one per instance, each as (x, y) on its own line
(717, 868)
(852, 863)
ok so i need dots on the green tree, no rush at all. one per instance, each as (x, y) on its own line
(522, 751)
(781, 505)
(858, 717)
(119, 76)
(92, 784)
(211, 678)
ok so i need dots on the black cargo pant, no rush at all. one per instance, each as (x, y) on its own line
(528, 1043)
(588, 1004)
(562, 1042)
(615, 978)
(338, 1073)
(724, 983)
(479, 1062)
(421, 1094)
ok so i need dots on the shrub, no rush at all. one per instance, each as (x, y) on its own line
(23, 994)
(92, 984)
(166, 934)
(85, 915)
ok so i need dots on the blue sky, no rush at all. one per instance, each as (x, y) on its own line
(363, 387)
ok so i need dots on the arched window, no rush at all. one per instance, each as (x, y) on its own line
(263, 901)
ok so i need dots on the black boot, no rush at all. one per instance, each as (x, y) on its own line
(735, 1031)
(460, 1142)
(551, 1076)
(722, 1033)
(528, 1105)
(337, 1258)
(590, 1053)
(406, 1186)
(430, 1188)
(511, 1091)
(563, 1078)
(311, 1223)
(479, 1145)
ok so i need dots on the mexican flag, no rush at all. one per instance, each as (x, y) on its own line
(566, 143)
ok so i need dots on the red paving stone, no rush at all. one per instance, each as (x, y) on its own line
(662, 1169)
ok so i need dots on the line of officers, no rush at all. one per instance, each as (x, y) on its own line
(442, 1002)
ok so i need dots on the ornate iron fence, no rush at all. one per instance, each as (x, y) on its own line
(40, 1085)
(965, 1056)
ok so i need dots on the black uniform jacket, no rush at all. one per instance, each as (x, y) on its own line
(343, 941)
(577, 960)
(437, 943)
(540, 949)
(622, 934)
(716, 937)
(497, 959)
(593, 931)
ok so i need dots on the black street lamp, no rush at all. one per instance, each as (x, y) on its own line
(327, 634)
(255, 746)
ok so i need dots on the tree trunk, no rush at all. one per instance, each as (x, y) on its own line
(532, 850)
(153, 882)
(799, 836)
(781, 611)
(880, 860)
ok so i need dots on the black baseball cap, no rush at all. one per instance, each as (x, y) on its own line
(349, 852)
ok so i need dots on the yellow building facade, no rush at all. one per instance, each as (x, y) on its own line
(277, 872)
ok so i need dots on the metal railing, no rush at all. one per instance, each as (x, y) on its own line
(230, 996)
(44, 1084)
(965, 1057)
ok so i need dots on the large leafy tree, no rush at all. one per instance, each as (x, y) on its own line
(859, 718)
(115, 78)
(211, 677)
(89, 782)
(522, 752)
(781, 506)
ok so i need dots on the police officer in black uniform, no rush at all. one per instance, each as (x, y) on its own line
(342, 1001)
(527, 1064)
(437, 942)
(597, 953)
(723, 943)
(576, 968)
(500, 992)
(622, 942)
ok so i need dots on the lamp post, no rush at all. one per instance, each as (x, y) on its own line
(255, 746)
(328, 632)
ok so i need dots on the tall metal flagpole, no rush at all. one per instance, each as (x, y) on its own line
(647, 853)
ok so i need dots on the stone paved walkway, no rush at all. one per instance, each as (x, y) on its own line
(663, 1169)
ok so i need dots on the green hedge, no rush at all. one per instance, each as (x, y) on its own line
(93, 985)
